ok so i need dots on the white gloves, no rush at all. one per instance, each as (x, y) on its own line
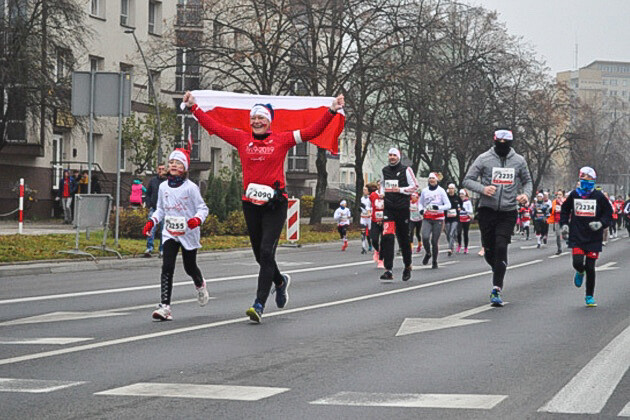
(565, 232)
(595, 226)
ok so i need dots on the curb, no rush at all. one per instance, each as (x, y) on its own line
(112, 263)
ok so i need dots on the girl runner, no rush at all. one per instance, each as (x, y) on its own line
(415, 221)
(265, 200)
(465, 216)
(366, 213)
(584, 217)
(342, 217)
(183, 210)
(378, 206)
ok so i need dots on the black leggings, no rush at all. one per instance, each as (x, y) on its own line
(343, 231)
(376, 230)
(496, 231)
(264, 225)
(170, 250)
(589, 267)
(463, 227)
(415, 227)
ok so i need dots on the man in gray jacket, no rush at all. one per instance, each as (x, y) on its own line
(502, 178)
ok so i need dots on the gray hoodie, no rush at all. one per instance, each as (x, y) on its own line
(510, 175)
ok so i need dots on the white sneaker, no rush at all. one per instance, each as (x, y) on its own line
(162, 313)
(202, 294)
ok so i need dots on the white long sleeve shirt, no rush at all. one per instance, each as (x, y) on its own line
(366, 211)
(430, 197)
(176, 206)
(342, 216)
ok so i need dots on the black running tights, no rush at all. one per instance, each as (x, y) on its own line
(171, 248)
(589, 266)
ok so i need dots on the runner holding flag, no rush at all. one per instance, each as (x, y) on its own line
(245, 123)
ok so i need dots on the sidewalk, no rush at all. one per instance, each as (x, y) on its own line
(43, 227)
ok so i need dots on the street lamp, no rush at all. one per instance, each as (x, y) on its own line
(155, 99)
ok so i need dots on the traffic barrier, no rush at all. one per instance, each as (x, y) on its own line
(293, 220)
(21, 207)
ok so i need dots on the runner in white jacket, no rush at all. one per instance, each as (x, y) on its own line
(366, 221)
(342, 217)
(183, 211)
(434, 202)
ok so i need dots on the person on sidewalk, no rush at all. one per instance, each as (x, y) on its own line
(397, 184)
(585, 216)
(137, 191)
(151, 200)
(498, 175)
(342, 217)
(183, 211)
(434, 201)
(66, 190)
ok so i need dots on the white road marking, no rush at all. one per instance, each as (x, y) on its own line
(367, 399)
(428, 266)
(124, 340)
(72, 316)
(561, 255)
(589, 390)
(625, 412)
(33, 385)
(418, 325)
(608, 266)
(532, 246)
(182, 283)
(43, 340)
(214, 392)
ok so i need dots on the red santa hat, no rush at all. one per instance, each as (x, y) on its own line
(182, 155)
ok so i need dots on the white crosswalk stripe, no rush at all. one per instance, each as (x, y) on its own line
(214, 392)
(33, 385)
(367, 399)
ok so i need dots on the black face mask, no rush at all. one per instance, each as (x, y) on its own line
(502, 149)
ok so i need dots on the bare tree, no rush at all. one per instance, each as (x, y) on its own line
(37, 38)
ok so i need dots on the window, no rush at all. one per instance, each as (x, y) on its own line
(61, 65)
(155, 15)
(189, 126)
(97, 8)
(217, 34)
(126, 68)
(15, 111)
(298, 158)
(96, 63)
(186, 70)
(127, 12)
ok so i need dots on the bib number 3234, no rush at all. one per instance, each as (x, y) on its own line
(259, 194)
(503, 176)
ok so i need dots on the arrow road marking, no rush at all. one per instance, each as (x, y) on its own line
(33, 385)
(590, 389)
(608, 266)
(626, 411)
(418, 325)
(132, 339)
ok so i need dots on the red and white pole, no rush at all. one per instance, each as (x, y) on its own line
(293, 220)
(21, 207)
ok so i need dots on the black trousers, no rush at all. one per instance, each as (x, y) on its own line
(264, 225)
(463, 227)
(376, 230)
(496, 231)
(170, 250)
(584, 264)
(415, 227)
(400, 217)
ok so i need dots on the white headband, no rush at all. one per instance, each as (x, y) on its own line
(503, 134)
(463, 191)
(180, 156)
(433, 175)
(343, 203)
(260, 110)
(588, 171)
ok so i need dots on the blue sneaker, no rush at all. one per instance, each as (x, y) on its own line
(282, 294)
(495, 298)
(255, 312)
(590, 301)
(578, 279)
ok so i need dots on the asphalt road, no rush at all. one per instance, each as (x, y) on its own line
(347, 346)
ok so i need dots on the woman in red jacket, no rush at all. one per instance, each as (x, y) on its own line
(262, 154)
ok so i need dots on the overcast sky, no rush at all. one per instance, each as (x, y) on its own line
(600, 27)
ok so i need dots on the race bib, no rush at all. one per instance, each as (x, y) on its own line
(378, 215)
(390, 185)
(379, 204)
(558, 208)
(503, 176)
(259, 194)
(366, 214)
(585, 208)
(526, 215)
(415, 215)
(175, 225)
(451, 212)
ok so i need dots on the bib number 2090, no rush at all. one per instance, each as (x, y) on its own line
(259, 194)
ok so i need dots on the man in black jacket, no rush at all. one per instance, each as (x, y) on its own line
(151, 199)
(397, 183)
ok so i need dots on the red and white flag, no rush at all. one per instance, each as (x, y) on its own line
(290, 113)
(189, 145)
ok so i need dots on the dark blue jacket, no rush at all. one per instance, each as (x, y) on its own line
(72, 187)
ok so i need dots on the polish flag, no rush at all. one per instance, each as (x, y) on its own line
(290, 113)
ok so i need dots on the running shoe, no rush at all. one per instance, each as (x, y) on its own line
(380, 264)
(450, 252)
(495, 298)
(387, 275)
(426, 259)
(545, 240)
(282, 294)
(558, 252)
(344, 246)
(590, 301)
(465, 250)
(202, 294)
(578, 279)
(538, 246)
(406, 273)
(162, 313)
(147, 253)
(255, 312)
(459, 249)
(419, 248)
(434, 265)
(375, 256)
